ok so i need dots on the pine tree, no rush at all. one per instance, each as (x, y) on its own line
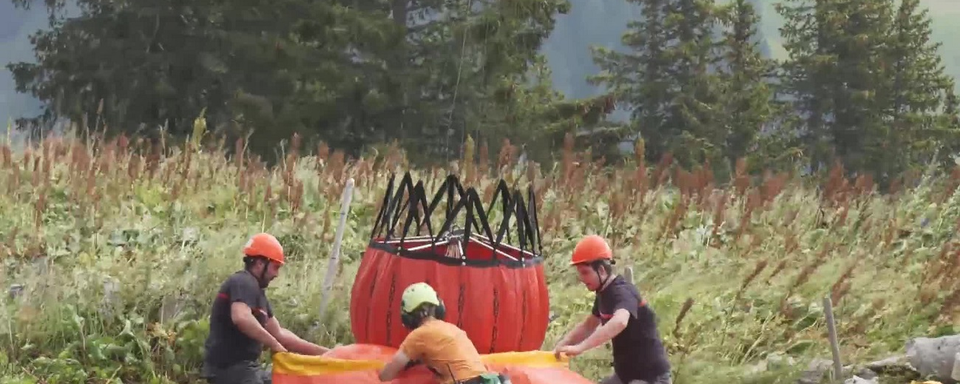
(458, 68)
(920, 92)
(748, 95)
(638, 79)
(834, 75)
(869, 85)
(696, 106)
(275, 66)
(666, 78)
(805, 37)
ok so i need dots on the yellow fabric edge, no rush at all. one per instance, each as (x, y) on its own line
(302, 365)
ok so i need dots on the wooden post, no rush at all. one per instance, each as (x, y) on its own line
(834, 343)
(333, 265)
(628, 274)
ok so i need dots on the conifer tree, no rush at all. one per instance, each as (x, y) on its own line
(639, 79)
(920, 92)
(696, 111)
(747, 92)
(667, 79)
(868, 84)
(833, 75)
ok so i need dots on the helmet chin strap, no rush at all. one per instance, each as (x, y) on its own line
(263, 274)
(262, 279)
(603, 281)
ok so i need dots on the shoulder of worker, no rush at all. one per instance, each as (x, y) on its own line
(620, 286)
(243, 286)
(621, 294)
(434, 329)
(241, 278)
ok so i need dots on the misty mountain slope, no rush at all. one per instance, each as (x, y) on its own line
(16, 25)
(590, 22)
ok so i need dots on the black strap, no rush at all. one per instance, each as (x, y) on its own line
(383, 208)
(406, 185)
(412, 199)
(419, 197)
(534, 220)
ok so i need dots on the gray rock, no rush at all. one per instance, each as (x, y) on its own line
(933, 357)
(860, 380)
(819, 370)
(867, 374)
(777, 361)
(893, 366)
(816, 371)
(890, 362)
(15, 291)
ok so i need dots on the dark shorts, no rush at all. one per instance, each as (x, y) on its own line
(662, 379)
(247, 372)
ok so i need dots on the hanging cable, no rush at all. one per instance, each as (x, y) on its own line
(456, 87)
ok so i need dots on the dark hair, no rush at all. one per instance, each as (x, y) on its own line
(425, 309)
(604, 264)
(250, 261)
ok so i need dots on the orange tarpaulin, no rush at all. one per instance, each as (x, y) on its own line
(361, 363)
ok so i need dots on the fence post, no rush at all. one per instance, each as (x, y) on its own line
(628, 274)
(333, 264)
(834, 343)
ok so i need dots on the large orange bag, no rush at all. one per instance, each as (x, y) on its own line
(361, 364)
(494, 291)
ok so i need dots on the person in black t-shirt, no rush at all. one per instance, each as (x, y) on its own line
(621, 315)
(242, 321)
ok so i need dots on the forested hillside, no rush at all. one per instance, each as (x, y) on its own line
(695, 79)
(596, 22)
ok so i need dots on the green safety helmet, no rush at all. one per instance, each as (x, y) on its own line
(413, 297)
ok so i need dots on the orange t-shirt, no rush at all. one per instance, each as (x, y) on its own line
(445, 348)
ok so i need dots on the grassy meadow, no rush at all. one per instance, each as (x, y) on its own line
(120, 246)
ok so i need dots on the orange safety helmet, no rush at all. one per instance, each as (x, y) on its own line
(264, 245)
(590, 249)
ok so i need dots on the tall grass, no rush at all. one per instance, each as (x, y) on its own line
(121, 244)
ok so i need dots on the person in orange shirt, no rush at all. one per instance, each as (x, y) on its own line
(443, 347)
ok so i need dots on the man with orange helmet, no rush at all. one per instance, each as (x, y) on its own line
(621, 315)
(242, 321)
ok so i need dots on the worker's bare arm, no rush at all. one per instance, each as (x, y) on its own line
(243, 317)
(293, 342)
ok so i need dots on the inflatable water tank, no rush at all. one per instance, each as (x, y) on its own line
(494, 291)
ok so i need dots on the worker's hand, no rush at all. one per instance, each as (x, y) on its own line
(569, 350)
(277, 347)
(556, 349)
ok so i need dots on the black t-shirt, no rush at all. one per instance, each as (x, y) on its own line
(227, 345)
(638, 352)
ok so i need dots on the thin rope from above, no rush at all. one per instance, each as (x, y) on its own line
(456, 87)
